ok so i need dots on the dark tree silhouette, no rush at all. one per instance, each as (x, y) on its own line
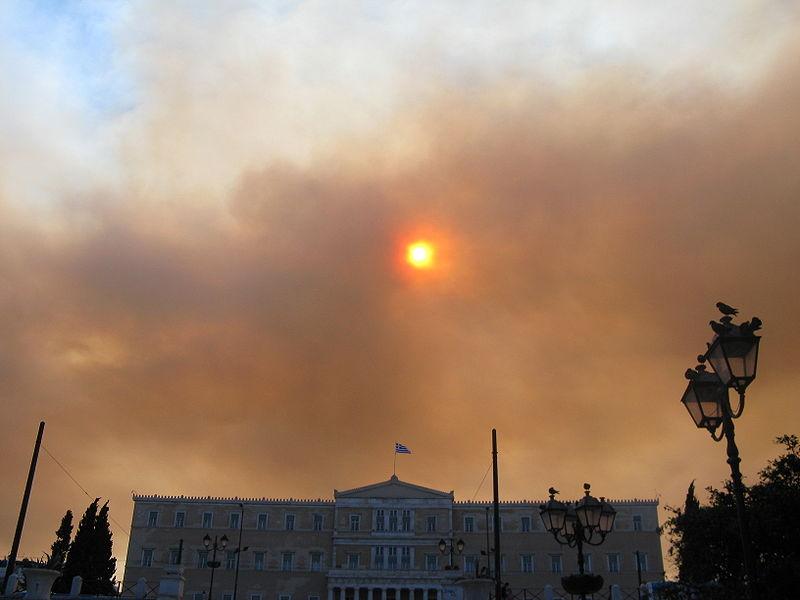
(60, 549)
(104, 562)
(705, 542)
(80, 560)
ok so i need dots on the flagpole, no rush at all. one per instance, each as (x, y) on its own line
(394, 463)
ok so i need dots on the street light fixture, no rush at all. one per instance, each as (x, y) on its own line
(452, 548)
(588, 521)
(220, 544)
(733, 355)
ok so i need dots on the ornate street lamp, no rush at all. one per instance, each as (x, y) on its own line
(733, 355)
(214, 563)
(452, 548)
(588, 521)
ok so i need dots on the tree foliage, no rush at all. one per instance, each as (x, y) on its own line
(705, 539)
(60, 549)
(90, 555)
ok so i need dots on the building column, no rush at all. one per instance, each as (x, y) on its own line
(369, 593)
(341, 593)
(330, 592)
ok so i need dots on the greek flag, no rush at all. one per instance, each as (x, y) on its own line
(401, 449)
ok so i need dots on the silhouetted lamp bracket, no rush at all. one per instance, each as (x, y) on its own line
(588, 521)
(452, 548)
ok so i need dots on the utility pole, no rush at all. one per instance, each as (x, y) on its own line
(23, 509)
(498, 584)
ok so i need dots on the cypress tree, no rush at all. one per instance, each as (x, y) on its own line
(59, 550)
(80, 560)
(104, 562)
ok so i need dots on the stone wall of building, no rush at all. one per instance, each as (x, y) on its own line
(378, 542)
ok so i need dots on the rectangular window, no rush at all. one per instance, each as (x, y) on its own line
(379, 564)
(227, 596)
(355, 522)
(641, 560)
(431, 562)
(199, 596)
(392, 560)
(470, 564)
(313, 598)
(147, 557)
(255, 596)
(526, 563)
(316, 561)
(152, 518)
(289, 522)
(431, 526)
(392, 520)
(587, 563)
(379, 520)
(317, 522)
(173, 556)
(469, 524)
(406, 523)
(230, 560)
(259, 560)
(208, 520)
(261, 521)
(284, 597)
(525, 524)
(555, 563)
(233, 520)
(405, 558)
(352, 561)
(503, 563)
(613, 563)
(180, 518)
(202, 559)
(637, 522)
(287, 561)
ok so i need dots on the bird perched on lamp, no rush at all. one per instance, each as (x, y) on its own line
(727, 310)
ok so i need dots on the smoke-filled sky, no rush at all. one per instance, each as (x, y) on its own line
(204, 209)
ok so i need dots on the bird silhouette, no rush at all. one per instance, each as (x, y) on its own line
(726, 319)
(552, 491)
(718, 328)
(701, 358)
(690, 374)
(727, 310)
(755, 323)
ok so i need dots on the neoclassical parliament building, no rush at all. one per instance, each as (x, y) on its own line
(377, 542)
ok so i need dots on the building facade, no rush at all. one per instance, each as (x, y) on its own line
(377, 542)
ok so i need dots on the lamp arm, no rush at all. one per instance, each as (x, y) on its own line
(592, 541)
(735, 414)
(721, 434)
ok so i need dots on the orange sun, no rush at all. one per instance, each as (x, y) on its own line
(420, 255)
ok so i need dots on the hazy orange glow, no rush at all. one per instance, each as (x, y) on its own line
(420, 255)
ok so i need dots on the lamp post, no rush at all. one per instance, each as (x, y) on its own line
(588, 521)
(238, 552)
(452, 548)
(220, 544)
(733, 356)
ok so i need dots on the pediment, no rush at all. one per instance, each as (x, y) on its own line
(393, 488)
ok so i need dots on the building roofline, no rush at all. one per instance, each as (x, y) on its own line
(330, 501)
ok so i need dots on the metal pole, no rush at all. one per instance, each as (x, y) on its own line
(213, 568)
(488, 547)
(498, 585)
(23, 509)
(238, 552)
(639, 575)
(738, 494)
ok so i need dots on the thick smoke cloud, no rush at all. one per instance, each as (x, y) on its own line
(220, 306)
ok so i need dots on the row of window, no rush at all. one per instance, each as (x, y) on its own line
(392, 558)
(234, 520)
(251, 596)
(392, 520)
